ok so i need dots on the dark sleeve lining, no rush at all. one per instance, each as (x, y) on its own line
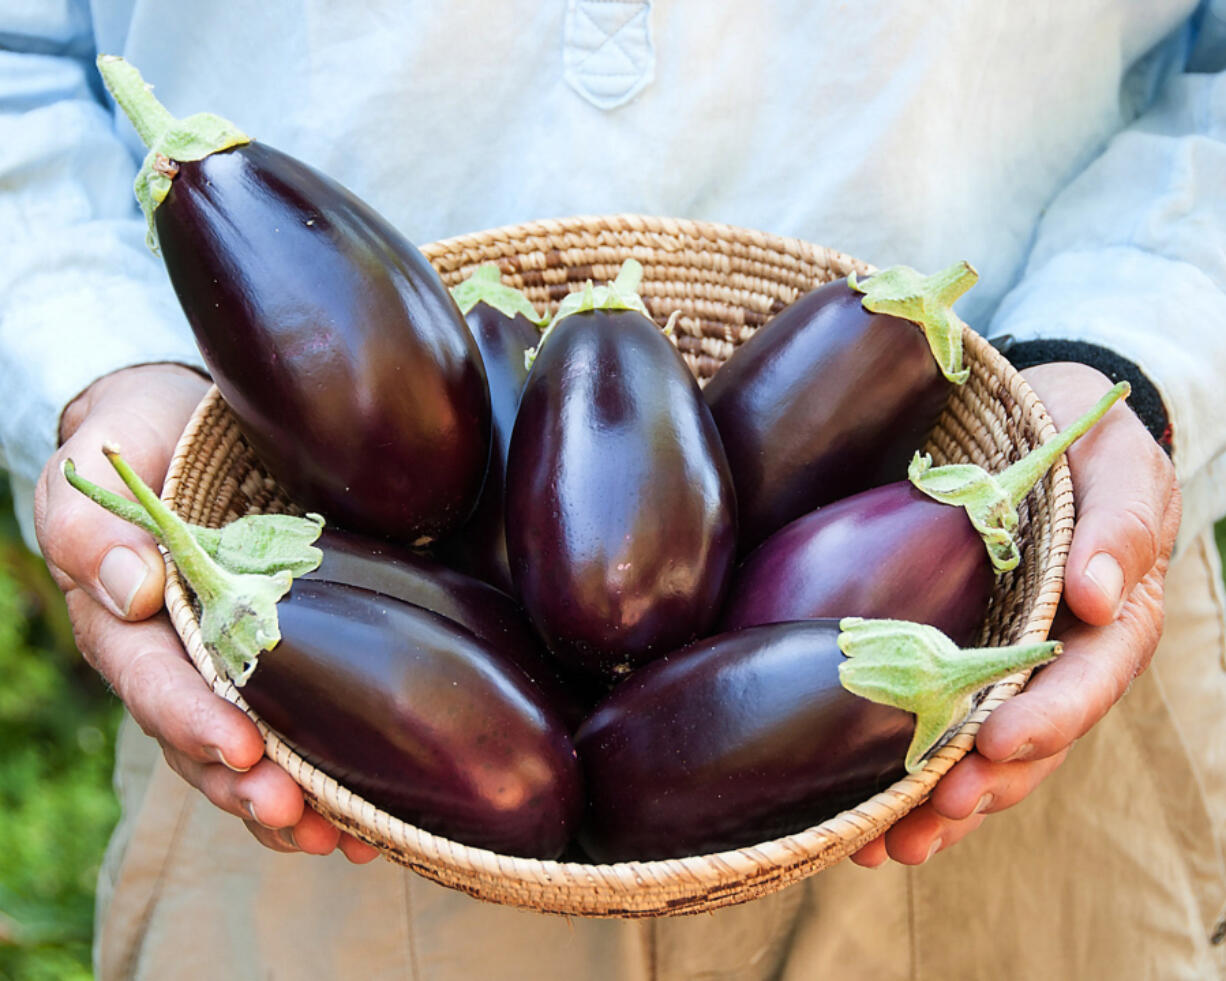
(1144, 400)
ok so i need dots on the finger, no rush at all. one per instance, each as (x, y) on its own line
(265, 794)
(923, 833)
(1123, 486)
(117, 563)
(277, 840)
(86, 547)
(979, 786)
(314, 834)
(873, 855)
(357, 851)
(961, 802)
(146, 666)
(1070, 695)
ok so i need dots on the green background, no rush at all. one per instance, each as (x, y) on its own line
(57, 740)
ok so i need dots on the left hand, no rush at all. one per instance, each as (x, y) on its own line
(1128, 510)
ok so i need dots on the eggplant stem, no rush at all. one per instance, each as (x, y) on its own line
(485, 285)
(135, 97)
(916, 668)
(926, 301)
(620, 294)
(117, 505)
(951, 284)
(170, 140)
(172, 532)
(991, 500)
(1019, 479)
(238, 608)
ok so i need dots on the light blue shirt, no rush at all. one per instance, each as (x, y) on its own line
(1074, 152)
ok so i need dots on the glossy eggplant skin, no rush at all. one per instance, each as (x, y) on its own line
(738, 738)
(825, 400)
(478, 607)
(480, 546)
(420, 718)
(332, 339)
(621, 517)
(891, 552)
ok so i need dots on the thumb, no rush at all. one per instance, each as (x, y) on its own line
(1123, 484)
(143, 410)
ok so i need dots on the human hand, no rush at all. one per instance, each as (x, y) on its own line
(112, 576)
(1111, 617)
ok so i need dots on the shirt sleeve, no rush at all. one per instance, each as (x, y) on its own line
(1131, 257)
(80, 293)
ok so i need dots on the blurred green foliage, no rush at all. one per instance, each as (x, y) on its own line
(57, 806)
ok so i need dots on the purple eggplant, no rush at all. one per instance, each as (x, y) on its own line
(421, 718)
(756, 734)
(910, 550)
(887, 552)
(832, 395)
(621, 517)
(506, 327)
(483, 610)
(401, 705)
(337, 346)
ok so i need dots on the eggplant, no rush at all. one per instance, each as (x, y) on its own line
(887, 552)
(403, 706)
(834, 392)
(506, 327)
(483, 610)
(419, 717)
(337, 346)
(621, 517)
(755, 734)
(910, 550)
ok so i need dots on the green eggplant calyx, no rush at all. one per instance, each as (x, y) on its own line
(991, 501)
(916, 668)
(621, 294)
(170, 140)
(927, 301)
(485, 285)
(986, 503)
(256, 543)
(238, 615)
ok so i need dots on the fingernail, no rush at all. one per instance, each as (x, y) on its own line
(1106, 574)
(250, 808)
(287, 836)
(1023, 752)
(933, 848)
(984, 803)
(122, 573)
(220, 757)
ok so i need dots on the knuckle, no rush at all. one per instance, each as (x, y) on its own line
(183, 767)
(1139, 526)
(147, 686)
(86, 635)
(66, 538)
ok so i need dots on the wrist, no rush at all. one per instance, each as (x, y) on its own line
(1145, 401)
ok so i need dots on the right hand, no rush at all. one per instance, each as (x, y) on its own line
(112, 576)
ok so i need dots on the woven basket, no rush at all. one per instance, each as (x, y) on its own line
(724, 282)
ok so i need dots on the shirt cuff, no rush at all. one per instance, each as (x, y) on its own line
(1144, 400)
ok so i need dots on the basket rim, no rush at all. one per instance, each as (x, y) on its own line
(634, 888)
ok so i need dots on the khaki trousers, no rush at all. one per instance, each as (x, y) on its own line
(1113, 868)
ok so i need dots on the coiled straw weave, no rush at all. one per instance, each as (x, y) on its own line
(725, 282)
